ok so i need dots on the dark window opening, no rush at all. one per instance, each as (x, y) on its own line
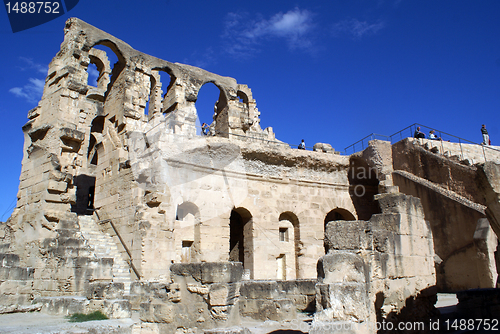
(85, 194)
(283, 232)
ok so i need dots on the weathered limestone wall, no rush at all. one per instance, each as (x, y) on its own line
(454, 205)
(408, 155)
(374, 267)
(489, 183)
(197, 184)
(161, 193)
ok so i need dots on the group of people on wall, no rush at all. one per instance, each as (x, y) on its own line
(432, 135)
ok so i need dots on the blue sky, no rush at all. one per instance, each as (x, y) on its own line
(325, 71)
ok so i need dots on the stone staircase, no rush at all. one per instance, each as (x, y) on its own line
(440, 190)
(104, 246)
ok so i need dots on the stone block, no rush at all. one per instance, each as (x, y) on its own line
(56, 187)
(16, 273)
(63, 305)
(348, 235)
(341, 266)
(218, 294)
(221, 272)
(344, 301)
(105, 291)
(157, 312)
(298, 286)
(117, 309)
(264, 309)
(72, 134)
(209, 272)
(9, 260)
(260, 290)
(229, 330)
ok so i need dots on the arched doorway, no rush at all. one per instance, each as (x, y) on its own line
(241, 238)
(336, 214)
(290, 244)
(187, 232)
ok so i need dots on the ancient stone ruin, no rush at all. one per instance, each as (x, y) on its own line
(126, 207)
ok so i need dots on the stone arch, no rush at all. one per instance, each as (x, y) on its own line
(287, 219)
(336, 214)
(100, 59)
(96, 129)
(339, 214)
(187, 232)
(116, 68)
(163, 92)
(241, 238)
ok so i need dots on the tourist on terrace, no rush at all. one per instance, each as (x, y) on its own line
(302, 145)
(418, 133)
(432, 135)
(486, 137)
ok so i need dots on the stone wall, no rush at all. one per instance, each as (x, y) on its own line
(453, 204)
(374, 267)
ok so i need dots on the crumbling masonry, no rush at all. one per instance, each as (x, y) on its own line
(124, 206)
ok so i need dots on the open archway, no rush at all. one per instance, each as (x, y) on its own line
(207, 104)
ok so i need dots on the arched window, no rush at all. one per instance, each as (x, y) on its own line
(161, 92)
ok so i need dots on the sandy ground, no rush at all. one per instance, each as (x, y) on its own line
(35, 322)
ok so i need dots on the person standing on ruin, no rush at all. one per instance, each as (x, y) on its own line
(486, 137)
(302, 145)
(205, 129)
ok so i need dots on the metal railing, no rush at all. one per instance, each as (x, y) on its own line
(409, 131)
(363, 143)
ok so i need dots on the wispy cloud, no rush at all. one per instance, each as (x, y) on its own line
(356, 28)
(31, 92)
(29, 64)
(244, 36)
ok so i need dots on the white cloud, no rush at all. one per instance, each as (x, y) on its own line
(31, 92)
(244, 35)
(31, 65)
(356, 28)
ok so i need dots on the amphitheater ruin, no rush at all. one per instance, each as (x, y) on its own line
(125, 207)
